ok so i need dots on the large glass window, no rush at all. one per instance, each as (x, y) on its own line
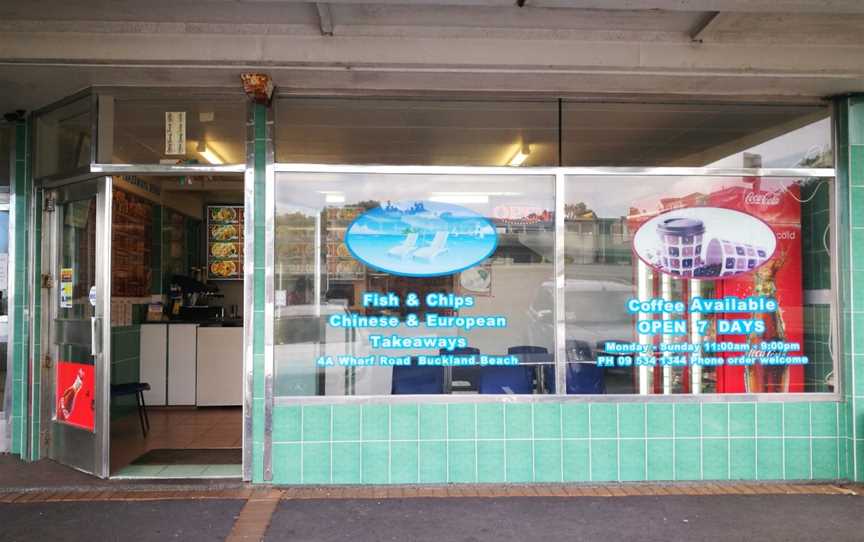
(695, 135)
(698, 285)
(417, 131)
(172, 127)
(408, 284)
(64, 138)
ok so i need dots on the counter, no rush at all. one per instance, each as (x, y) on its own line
(192, 363)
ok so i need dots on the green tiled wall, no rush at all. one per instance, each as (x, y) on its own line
(556, 442)
(261, 136)
(850, 176)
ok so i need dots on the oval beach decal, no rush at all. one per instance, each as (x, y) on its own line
(421, 238)
(706, 243)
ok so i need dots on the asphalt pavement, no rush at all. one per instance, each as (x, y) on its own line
(726, 518)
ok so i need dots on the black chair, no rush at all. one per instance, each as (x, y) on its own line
(470, 374)
(416, 380)
(137, 389)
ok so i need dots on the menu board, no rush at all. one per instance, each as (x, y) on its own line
(225, 242)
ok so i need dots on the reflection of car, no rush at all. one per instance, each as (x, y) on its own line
(596, 313)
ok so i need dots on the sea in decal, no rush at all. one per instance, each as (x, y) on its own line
(421, 238)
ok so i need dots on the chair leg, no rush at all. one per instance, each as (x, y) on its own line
(140, 414)
(144, 408)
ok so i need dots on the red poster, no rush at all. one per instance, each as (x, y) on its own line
(74, 396)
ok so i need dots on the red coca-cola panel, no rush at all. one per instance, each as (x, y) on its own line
(778, 204)
(74, 395)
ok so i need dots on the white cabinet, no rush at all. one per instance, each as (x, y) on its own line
(182, 358)
(153, 367)
(220, 366)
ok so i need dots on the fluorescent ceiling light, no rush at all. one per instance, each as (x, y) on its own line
(520, 156)
(209, 154)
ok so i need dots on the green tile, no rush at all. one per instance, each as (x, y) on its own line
(604, 460)
(742, 420)
(491, 461)
(796, 420)
(660, 417)
(825, 459)
(490, 420)
(824, 419)
(769, 419)
(376, 422)
(604, 420)
(715, 459)
(346, 422)
(286, 463)
(796, 459)
(575, 420)
(286, 424)
(547, 420)
(687, 420)
(433, 422)
(520, 461)
(632, 421)
(403, 422)
(769, 458)
(518, 423)
(547, 461)
(316, 463)
(346, 463)
(462, 461)
(632, 453)
(660, 459)
(743, 459)
(403, 462)
(688, 459)
(376, 462)
(433, 460)
(316, 423)
(576, 461)
(715, 420)
(461, 421)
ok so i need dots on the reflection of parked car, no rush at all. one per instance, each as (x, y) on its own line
(596, 313)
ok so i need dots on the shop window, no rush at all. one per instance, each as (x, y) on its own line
(695, 135)
(140, 127)
(407, 284)
(416, 131)
(64, 138)
(717, 285)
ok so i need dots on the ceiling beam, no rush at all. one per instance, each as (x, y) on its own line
(742, 6)
(701, 28)
(325, 18)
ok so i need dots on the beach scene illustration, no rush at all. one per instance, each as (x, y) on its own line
(421, 238)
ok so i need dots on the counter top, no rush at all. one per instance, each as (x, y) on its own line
(227, 322)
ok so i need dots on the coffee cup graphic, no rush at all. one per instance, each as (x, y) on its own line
(705, 243)
(681, 244)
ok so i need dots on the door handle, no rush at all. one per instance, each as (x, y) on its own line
(95, 342)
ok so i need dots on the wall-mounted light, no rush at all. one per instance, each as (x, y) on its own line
(209, 154)
(520, 156)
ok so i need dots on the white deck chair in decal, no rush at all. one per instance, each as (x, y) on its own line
(406, 247)
(436, 247)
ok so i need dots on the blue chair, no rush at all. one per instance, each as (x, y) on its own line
(416, 380)
(470, 374)
(517, 379)
(583, 374)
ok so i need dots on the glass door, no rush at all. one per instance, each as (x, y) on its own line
(77, 222)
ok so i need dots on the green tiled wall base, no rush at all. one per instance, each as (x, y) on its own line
(554, 442)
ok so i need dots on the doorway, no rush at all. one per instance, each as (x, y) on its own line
(146, 326)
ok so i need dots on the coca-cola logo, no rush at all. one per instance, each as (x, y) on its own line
(761, 198)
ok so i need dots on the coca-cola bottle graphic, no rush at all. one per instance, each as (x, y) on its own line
(67, 398)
